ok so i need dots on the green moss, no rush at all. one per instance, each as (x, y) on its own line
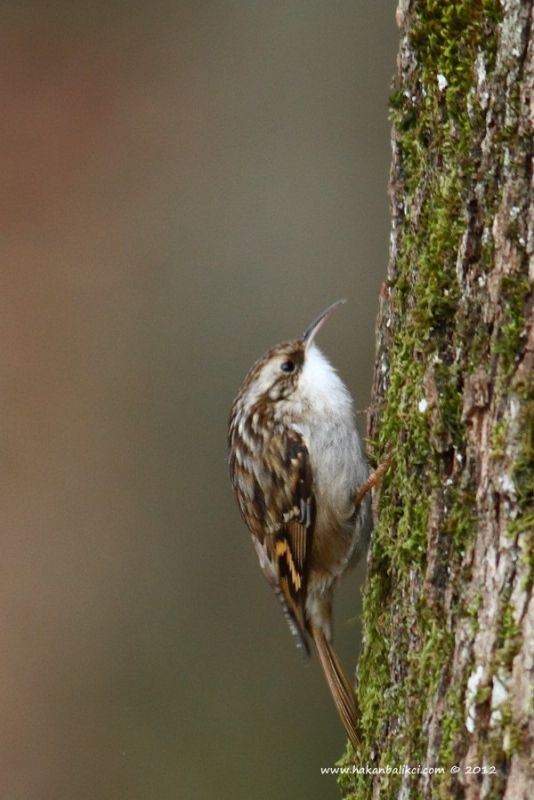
(524, 465)
(452, 740)
(514, 291)
(509, 639)
(498, 439)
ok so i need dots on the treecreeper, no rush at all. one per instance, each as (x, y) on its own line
(301, 479)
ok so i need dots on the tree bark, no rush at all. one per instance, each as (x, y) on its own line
(446, 676)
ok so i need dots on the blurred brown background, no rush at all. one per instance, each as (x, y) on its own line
(184, 184)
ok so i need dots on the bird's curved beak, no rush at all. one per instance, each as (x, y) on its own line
(312, 330)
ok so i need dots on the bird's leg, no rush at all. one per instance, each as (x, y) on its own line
(374, 479)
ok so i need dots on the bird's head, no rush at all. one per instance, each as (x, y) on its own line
(284, 371)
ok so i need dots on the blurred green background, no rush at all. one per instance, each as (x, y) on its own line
(184, 184)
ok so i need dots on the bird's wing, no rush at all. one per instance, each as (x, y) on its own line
(281, 517)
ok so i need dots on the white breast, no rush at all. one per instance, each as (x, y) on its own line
(329, 430)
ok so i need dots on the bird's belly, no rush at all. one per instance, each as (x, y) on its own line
(339, 469)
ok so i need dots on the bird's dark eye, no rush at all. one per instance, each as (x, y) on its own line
(287, 366)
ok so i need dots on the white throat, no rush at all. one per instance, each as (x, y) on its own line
(321, 386)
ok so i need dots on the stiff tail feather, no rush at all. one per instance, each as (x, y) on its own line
(339, 685)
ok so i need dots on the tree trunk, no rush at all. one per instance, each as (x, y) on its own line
(446, 676)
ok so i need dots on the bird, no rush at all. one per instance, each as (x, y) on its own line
(301, 479)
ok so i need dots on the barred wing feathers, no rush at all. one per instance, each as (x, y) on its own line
(275, 496)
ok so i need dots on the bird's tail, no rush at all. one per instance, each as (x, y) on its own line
(339, 685)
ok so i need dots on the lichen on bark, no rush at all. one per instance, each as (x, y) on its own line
(447, 669)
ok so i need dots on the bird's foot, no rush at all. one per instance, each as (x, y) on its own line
(374, 478)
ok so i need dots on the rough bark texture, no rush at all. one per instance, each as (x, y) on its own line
(446, 676)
